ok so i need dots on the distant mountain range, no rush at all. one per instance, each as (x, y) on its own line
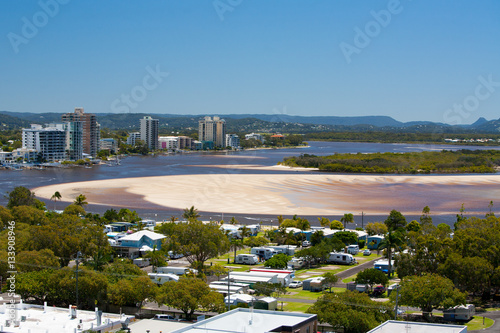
(260, 122)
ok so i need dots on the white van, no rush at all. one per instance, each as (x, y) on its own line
(353, 249)
(263, 253)
(247, 259)
(341, 258)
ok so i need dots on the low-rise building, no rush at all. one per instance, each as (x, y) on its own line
(251, 320)
(392, 326)
(255, 136)
(109, 144)
(233, 141)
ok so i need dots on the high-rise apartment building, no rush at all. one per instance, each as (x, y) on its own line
(49, 142)
(133, 138)
(212, 130)
(149, 132)
(90, 129)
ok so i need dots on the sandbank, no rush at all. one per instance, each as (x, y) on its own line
(291, 193)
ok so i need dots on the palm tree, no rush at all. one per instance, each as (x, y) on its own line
(173, 219)
(56, 196)
(347, 218)
(233, 220)
(235, 244)
(392, 240)
(81, 200)
(191, 213)
(244, 232)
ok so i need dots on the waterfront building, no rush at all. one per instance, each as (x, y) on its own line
(74, 140)
(50, 141)
(133, 138)
(212, 130)
(168, 142)
(185, 142)
(108, 144)
(90, 129)
(233, 141)
(149, 132)
(255, 136)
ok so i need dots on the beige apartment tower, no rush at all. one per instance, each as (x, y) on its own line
(212, 130)
(90, 130)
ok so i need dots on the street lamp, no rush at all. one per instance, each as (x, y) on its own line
(77, 261)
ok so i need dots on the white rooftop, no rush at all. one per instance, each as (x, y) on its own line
(247, 320)
(136, 236)
(54, 320)
(152, 325)
(392, 326)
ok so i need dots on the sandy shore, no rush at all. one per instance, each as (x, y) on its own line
(303, 194)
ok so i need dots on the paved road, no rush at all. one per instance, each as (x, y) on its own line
(354, 270)
(495, 315)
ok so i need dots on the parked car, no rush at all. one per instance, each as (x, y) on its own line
(306, 243)
(295, 284)
(163, 317)
(367, 252)
(378, 290)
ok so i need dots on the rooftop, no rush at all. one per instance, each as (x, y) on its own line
(392, 326)
(249, 320)
(136, 236)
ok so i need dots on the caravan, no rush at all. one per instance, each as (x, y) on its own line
(248, 259)
(263, 253)
(341, 258)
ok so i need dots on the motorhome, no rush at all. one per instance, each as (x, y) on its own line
(176, 270)
(353, 249)
(341, 258)
(296, 263)
(160, 278)
(263, 253)
(247, 259)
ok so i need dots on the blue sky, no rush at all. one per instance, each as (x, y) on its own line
(411, 60)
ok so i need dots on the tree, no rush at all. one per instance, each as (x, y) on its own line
(29, 215)
(393, 239)
(317, 237)
(122, 269)
(429, 292)
(336, 225)
(235, 244)
(330, 280)
(255, 241)
(198, 241)
(413, 226)
(190, 213)
(426, 221)
(350, 311)
(111, 215)
(395, 220)
(56, 196)
(74, 210)
(21, 196)
(233, 220)
(29, 261)
(278, 261)
(371, 276)
(5, 217)
(376, 228)
(347, 218)
(156, 258)
(472, 274)
(324, 222)
(190, 294)
(347, 237)
(80, 200)
(217, 270)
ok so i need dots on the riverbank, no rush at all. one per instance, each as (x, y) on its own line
(287, 194)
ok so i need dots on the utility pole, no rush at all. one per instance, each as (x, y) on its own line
(397, 299)
(362, 220)
(228, 289)
(77, 261)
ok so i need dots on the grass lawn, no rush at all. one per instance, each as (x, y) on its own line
(349, 279)
(306, 294)
(294, 306)
(476, 323)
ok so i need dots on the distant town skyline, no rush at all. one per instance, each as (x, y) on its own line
(410, 60)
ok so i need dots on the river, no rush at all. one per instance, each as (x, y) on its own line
(196, 163)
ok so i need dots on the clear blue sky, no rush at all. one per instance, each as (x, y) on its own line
(253, 56)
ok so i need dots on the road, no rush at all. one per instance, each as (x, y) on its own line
(354, 270)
